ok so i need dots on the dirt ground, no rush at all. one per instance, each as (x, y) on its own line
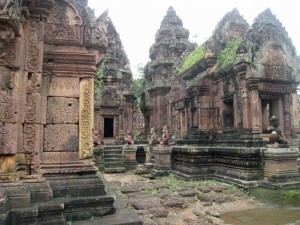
(172, 201)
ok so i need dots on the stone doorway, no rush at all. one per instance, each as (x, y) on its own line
(108, 127)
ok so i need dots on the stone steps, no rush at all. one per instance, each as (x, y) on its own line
(113, 160)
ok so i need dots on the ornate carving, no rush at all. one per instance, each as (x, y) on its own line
(6, 107)
(275, 67)
(64, 83)
(58, 25)
(30, 112)
(33, 51)
(86, 118)
(62, 110)
(5, 147)
(8, 137)
(34, 82)
(61, 137)
(29, 138)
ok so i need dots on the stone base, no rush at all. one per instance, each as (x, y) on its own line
(162, 156)
(67, 191)
(238, 165)
(130, 156)
(281, 167)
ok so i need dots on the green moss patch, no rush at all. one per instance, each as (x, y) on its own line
(227, 55)
(196, 55)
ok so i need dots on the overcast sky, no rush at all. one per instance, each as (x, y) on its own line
(138, 20)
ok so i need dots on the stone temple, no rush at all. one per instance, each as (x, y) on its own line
(226, 109)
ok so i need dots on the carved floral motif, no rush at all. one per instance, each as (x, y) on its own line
(6, 106)
(29, 138)
(86, 118)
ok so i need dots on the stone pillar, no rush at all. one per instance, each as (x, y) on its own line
(86, 116)
(162, 164)
(245, 104)
(287, 116)
(255, 108)
(294, 113)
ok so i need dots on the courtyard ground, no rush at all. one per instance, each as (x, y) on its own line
(171, 201)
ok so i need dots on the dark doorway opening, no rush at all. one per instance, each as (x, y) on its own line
(140, 155)
(108, 127)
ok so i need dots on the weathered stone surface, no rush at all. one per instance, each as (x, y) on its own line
(61, 137)
(8, 138)
(141, 204)
(188, 193)
(62, 86)
(204, 189)
(62, 110)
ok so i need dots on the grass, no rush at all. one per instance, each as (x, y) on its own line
(173, 182)
(152, 190)
(281, 197)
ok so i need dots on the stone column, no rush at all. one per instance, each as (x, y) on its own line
(287, 116)
(294, 113)
(86, 111)
(255, 107)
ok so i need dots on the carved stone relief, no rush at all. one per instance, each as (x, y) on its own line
(62, 110)
(58, 26)
(8, 138)
(6, 107)
(63, 86)
(61, 138)
(86, 117)
(32, 108)
(275, 67)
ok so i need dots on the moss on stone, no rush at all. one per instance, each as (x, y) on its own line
(227, 55)
(196, 55)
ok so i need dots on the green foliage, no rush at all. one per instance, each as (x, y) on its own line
(152, 190)
(281, 197)
(228, 54)
(192, 58)
(137, 135)
(173, 182)
(218, 183)
(139, 85)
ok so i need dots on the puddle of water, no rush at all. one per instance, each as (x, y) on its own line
(262, 217)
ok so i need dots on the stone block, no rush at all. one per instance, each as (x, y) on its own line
(61, 138)
(62, 110)
(61, 86)
(280, 165)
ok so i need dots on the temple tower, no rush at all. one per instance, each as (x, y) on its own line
(171, 41)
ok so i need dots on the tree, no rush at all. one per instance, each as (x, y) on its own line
(139, 85)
